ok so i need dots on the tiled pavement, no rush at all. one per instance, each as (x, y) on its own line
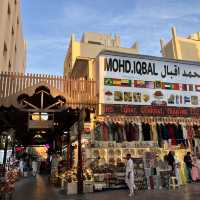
(39, 189)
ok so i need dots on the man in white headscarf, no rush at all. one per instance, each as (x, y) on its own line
(130, 175)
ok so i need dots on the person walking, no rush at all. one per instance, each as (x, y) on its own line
(130, 175)
(21, 167)
(188, 165)
(34, 167)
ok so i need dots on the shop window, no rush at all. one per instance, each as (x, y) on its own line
(94, 42)
(17, 20)
(5, 50)
(9, 10)
(9, 65)
(13, 32)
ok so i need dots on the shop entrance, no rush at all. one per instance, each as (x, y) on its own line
(39, 127)
(40, 119)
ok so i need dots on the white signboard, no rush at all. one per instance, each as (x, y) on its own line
(136, 81)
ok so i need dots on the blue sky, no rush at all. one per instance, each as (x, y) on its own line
(48, 24)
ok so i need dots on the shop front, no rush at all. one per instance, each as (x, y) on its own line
(147, 107)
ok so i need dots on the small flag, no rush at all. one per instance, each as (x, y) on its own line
(167, 86)
(186, 99)
(157, 84)
(197, 88)
(184, 87)
(191, 88)
(126, 83)
(175, 86)
(139, 84)
(108, 81)
(149, 84)
(116, 82)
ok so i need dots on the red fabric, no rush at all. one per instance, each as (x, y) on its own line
(105, 132)
(171, 133)
(190, 132)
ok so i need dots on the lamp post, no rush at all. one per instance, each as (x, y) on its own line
(80, 159)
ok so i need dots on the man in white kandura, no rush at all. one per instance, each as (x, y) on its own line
(130, 175)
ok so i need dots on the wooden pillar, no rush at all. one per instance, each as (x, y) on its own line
(80, 159)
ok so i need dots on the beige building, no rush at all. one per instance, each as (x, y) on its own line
(80, 58)
(182, 48)
(12, 43)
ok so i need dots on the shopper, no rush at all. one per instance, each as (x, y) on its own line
(188, 165)
(21, 167)
(171, 160)
(34, 167)
(130, 175)
(54, 163)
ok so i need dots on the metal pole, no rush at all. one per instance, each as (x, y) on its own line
(5, 151)
(68, 151)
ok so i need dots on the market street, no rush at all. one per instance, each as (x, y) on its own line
(39, 189)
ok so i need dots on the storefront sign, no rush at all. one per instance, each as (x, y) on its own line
(39, 124)
(149, 82)
(151, 110)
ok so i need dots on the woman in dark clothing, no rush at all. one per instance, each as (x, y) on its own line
(171, 160)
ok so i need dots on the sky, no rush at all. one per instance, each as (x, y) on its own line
(48, 25)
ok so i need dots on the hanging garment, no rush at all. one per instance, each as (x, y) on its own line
(185, 135)
(180, 134)
(146, 132)
(132, 131)
(195, 171)
(171, 133)
(124, 133)
(176, 130)
(127, 130)
(177, 171)
(165, 135)
(119, 133)
(154, 132)
(159, 134)
(196, 130)
(190, 132)
(98, 132)
(105, 132)
(137, 132)
(140, 132)
(183, 174)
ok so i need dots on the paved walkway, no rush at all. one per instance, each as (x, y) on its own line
(39, 189)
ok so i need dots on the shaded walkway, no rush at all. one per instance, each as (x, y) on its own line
(32, 188)
(39, 189)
